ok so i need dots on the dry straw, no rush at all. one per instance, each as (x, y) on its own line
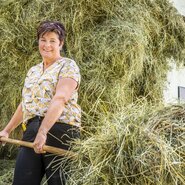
(140, 144)
(123, 49)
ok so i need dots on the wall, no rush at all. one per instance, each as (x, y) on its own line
(180, 5)
(176, 77)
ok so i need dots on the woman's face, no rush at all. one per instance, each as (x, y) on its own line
(50, 46)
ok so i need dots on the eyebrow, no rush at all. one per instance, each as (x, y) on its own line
(42, 37)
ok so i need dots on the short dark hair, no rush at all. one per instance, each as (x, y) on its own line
(51, 26)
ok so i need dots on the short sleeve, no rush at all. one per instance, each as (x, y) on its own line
(70, 70)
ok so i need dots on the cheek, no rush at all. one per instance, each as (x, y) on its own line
(40, 45)
(56, 48)
(40, 50)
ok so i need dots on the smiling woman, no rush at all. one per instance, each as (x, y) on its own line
(49, 110)
(51, 39)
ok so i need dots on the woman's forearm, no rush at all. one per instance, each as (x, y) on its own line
(15, 120)
(54, 112)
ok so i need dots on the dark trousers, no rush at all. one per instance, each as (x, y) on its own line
(31, 167)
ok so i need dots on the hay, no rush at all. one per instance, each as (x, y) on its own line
(123, 49)
(6, 171)
(141, 144)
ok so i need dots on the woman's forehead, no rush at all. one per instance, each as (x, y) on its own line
(50, 34)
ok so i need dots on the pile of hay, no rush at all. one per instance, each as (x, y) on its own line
(140, 144)
(6, 172)
(123, 49)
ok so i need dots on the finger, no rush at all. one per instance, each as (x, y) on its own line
(36, 151)
(35, 148)
(3, 144)
(42, 152)
(39, 149)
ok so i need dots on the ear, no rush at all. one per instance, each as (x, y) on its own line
(61, 44)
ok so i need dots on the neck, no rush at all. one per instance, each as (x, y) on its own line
(47, 62)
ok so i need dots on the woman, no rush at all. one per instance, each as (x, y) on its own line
(49, 109)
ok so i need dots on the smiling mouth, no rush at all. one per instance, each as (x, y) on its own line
(46, 51)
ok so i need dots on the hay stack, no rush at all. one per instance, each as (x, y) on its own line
(6, 172)
(120, 46)
(139, 145)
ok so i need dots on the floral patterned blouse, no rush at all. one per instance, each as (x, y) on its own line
(40, 86)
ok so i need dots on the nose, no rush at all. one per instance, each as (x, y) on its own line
(47, 44)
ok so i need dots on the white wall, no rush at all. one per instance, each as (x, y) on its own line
(180, 5)
(175, 78)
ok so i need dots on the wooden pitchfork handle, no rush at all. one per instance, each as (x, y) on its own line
(50, 149)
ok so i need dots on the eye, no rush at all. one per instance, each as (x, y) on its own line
(43, 40)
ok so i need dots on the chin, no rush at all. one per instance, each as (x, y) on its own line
(46, 56)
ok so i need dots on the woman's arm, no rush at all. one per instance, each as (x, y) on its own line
(64, 90)
(13, 123)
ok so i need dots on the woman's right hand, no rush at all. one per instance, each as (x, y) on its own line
(3, 133)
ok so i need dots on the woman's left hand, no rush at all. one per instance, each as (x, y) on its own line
(39, 142)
